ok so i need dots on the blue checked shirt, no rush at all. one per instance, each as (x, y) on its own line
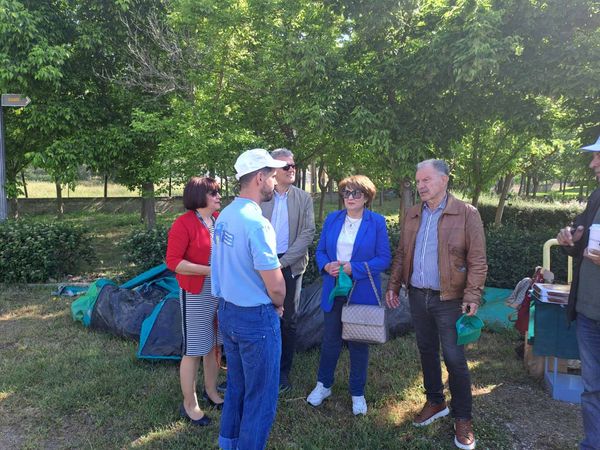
(426, 273)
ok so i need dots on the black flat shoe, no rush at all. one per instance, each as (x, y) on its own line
(201, 422)
(210, 402)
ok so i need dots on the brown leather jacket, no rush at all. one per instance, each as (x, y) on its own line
(461, 251)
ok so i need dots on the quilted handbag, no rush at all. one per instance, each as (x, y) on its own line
(364, 323)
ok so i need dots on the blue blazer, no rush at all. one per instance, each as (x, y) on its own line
(371, 246)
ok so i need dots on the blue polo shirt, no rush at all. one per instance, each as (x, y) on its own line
(244, 242)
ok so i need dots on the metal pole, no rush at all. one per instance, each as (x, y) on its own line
(3, 203)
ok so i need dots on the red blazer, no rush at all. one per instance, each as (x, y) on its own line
(189, 240)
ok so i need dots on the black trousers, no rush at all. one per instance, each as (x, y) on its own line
(288, 321)
(435, 322)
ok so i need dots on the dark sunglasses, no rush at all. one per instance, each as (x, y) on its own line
(289, 166)
(214, 192)
(356, 193)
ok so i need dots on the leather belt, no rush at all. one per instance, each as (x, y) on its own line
(425, 291)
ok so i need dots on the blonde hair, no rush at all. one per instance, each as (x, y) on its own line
(362, 183)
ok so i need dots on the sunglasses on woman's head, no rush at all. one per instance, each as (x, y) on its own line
(356, 193)
(289, 166)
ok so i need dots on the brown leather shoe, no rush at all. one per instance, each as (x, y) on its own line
(463, 434)
(430, 413)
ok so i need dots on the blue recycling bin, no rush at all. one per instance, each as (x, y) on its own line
(554, 338)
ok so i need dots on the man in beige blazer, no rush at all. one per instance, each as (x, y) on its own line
(291, 213)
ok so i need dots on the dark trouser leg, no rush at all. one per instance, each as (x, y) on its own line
(359, 363)
(429, 346)
(446, 314)
(288, 321)
(331, 345)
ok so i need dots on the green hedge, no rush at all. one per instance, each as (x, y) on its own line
(532, 216)
(513, 253)
(35, 252)
(146, 248)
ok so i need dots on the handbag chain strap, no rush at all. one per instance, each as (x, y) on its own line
(372, 285)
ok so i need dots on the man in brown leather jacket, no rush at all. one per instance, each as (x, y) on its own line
(441, 260)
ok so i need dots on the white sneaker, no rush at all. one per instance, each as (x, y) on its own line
(318, 394)
(359, 405)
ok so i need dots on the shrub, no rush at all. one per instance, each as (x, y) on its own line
(530, 216)
(513, 253)
(37, 252)
(312, 273)
(146, 248)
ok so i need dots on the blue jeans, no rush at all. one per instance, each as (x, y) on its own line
(252, 342)
(588, 337)
(435, 321)
(331, 346)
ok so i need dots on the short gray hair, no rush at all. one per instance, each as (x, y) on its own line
(438, 164)
(282, 152)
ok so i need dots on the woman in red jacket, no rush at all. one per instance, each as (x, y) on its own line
(188, 255)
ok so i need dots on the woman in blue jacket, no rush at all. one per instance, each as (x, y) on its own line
(350, 237)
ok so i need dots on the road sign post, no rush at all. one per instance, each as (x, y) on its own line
(11, 100)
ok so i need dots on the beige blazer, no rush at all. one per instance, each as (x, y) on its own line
(301, 220)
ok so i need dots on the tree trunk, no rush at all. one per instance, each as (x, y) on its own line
(24, 184)
(59, 201)
(105, 186)
(148, 211)
(527, 186)
(313, 177)
(499, 186)
(303, 172)
(170, 185)
(323, 188)
(476, 195)
(406, 198)
(13, 207)
(508, 179)
(536, 185)
(521, 185)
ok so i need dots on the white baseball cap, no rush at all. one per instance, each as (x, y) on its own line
(255, 159)
(592, 148)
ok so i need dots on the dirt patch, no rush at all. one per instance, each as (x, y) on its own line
(532, 417)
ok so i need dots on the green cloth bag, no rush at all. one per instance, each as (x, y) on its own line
(468, 329)
(81, 309)
(343, 284)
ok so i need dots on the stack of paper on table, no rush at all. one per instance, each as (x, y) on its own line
(551, 293)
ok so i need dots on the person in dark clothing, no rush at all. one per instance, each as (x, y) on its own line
(584, 304)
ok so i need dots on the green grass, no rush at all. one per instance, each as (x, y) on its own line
(87, 188)
(63, 386)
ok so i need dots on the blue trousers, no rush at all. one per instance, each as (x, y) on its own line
(331, 347)
(588, 338)
(252, 343)
(435, 321)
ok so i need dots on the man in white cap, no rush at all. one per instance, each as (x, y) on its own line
(584, 303)
(246, 275)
